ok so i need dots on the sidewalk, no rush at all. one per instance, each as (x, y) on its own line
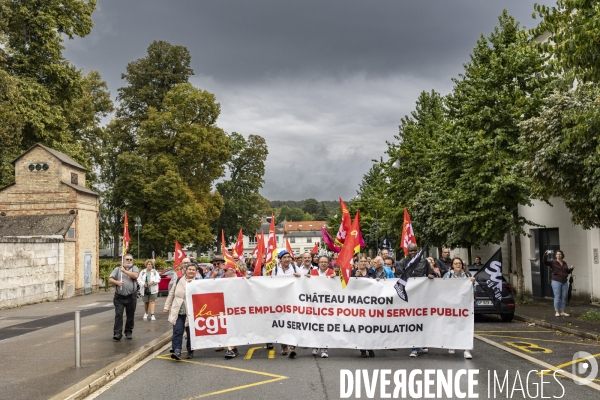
(541, 312)
(38, 351)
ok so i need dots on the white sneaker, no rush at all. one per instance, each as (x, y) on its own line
(451, 351)
(424, 350)
(315, 352)
(324, 354)
(564, 314)
(145, 317)
(414, 353)
(557, 314)
(468, 354)
(153, 318)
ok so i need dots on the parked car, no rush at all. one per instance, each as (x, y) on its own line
(484, 305)
(165, 278)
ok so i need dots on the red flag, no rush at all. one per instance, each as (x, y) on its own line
(259, 255)
(408, 236)
(315, 249)
(344, 225)
(239, 245)
(177, 257)
(361, 242)
(289, 249)
(126, 238)
(346, 258)
(271, 248)
(226, 254)
(255, 251)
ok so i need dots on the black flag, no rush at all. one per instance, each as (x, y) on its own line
(386, 243)
(489, 277)
(401, 284)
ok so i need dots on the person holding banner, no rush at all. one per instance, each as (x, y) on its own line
(306, 266)
(230, 272)
(323, 270)
(176, 307)
(458, 271)
(421, 269)
(364, 271)
(286, 267)
(560, 286)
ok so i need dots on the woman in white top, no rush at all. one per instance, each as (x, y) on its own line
(148, 283)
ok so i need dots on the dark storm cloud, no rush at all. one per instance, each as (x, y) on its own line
(325, 82)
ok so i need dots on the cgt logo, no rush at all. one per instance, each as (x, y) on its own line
(209, 314)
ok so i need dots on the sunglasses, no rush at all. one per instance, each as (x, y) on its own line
(129, 259)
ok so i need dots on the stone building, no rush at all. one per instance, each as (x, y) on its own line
(49, 230)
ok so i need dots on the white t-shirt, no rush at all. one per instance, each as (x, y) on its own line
(302, 270)
(279, 271)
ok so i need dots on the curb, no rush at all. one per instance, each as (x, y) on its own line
(576, 332)
(111, 371)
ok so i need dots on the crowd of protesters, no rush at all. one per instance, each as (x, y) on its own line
(382, 266)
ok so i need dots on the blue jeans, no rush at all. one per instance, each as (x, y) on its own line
(560, 294)
(178, 334)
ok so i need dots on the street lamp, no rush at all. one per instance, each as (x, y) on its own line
(138, 226)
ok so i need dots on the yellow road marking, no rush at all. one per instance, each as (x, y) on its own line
(274, 377)
(250, 352)
(529, 347)
(538, 340)
(535, 361)
(272, 353)
(576, 361)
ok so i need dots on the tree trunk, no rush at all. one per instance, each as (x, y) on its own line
(519, 264)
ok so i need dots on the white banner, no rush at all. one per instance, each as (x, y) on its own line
(317, 312)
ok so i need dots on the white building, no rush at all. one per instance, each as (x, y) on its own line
(302, 235)
(580, 247)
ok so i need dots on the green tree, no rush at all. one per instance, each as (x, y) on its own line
(561, 157)
(574, 39)
(42, 93)
(417, 172)
(502, 85)
(292, 214)
(148, 80)
(181, 153)
(243, 205)
(311, 206)
(322, 214)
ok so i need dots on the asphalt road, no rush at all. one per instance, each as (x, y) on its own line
(260, 375)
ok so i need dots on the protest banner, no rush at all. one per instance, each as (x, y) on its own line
(317, 312)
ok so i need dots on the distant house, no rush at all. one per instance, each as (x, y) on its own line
(49, 230)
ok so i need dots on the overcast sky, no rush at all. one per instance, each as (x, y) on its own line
(324, 82)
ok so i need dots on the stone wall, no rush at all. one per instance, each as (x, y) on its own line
(31, 270)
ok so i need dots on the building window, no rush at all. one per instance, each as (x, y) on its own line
(251, 240)
(308, 240)
(74, 178)
(71, 233)
(292, 240)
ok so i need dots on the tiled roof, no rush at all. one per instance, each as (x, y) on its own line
(61, 156)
